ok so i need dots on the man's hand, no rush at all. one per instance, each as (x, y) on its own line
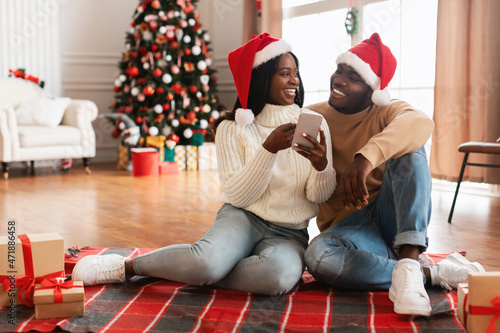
(280, 138)
(353, 182)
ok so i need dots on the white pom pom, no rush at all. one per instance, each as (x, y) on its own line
(381, 97)
(244, 117)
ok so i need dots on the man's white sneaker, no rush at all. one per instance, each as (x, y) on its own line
(94, 270)
(453, 270)
(408, 291)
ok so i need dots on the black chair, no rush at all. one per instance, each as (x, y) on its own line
(474, 147)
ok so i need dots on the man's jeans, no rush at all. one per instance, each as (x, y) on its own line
(360, 251)
(240, 252)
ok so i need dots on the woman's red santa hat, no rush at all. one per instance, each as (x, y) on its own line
(375, 63)
(244, 59)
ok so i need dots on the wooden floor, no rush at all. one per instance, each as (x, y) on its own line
(111, 208)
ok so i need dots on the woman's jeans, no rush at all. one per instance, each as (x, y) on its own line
(240, 252)
(360, 251)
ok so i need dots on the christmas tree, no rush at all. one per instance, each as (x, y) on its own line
(166, 85)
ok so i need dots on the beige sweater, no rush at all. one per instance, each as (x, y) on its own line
(379, 134)
(282, 188)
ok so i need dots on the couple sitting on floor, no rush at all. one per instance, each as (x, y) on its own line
(367, 180)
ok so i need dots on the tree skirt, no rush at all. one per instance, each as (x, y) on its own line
(154, 305)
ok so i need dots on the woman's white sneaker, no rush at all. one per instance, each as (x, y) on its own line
(94, 270)
(407, 291)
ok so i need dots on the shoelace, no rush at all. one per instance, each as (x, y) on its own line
(112, 274)
(411, 276)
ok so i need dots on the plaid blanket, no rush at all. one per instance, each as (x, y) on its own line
(152, 305)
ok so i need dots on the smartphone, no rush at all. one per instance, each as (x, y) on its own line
(309, 122)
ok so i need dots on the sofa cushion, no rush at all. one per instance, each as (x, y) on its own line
(42, 111)
(39, 136)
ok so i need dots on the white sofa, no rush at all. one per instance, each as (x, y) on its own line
(34, 126)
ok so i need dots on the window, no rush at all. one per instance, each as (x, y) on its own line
(317, 33)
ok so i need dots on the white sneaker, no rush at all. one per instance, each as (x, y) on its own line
(94, 270)
(407, 291)
(453, 270)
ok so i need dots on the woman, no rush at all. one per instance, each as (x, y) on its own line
(259, 237)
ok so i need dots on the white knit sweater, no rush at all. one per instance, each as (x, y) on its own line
(282, 188)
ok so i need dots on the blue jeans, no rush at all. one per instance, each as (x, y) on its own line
(360, 251)
(240, 252)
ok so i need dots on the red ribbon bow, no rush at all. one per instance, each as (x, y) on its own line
(57, 284)
(27, 282)
(487, 310)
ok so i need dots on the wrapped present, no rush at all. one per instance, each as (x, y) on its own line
(207, 157)
(144, 161)
(180, 157)
(462, 310)
(56, 298)
(484, 302)
(169, 155)
(157, 141)
(191, 158)
(168, 167)
(37, 257)
(123, 160)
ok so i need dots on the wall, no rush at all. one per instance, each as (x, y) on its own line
(92, 42)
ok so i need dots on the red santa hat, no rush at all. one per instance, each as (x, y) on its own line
(375, 63)
(244, 59)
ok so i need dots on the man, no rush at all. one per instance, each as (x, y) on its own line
(374, 226)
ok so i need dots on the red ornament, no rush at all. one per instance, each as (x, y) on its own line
(148, 91)
(135, 54)
(155, 4)
(191, 116)
(117, 89)
(132, 71)
(174, 44)
(187, 51)
(176, 88)
(132, 24)
(142, 50)
(160, 90)
(154, 47)
(174, 138)
(157, 72)
(138, 120)
(196, 27)
(166, 106)
(193, 89)
(182, 120)
(170, 96)
(158, 55)
(187, 10)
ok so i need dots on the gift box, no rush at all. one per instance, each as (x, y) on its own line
(56, 298)
(144, 162)
(207, 157)
(157, 141)
(180, 157)
(168, 167)
(191, 158)
(37, 257)
(462, 294)
(484, 302)
(123, 161)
